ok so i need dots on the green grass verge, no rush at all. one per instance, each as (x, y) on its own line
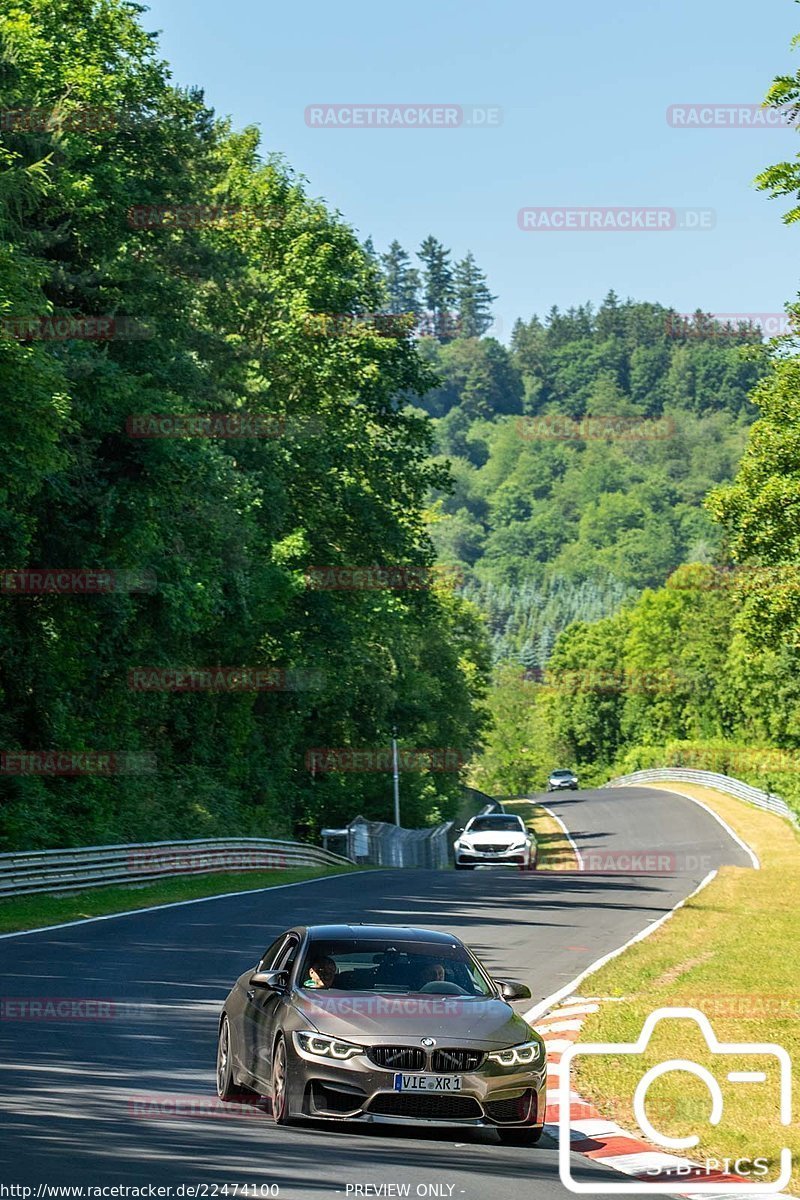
(29, 912)
(733, 953)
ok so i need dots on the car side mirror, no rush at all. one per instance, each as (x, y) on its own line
(511, 990)
(276, 981)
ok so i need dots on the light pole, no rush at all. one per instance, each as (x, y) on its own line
(395, 777)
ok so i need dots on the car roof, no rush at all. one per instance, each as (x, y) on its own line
(366, 933)
(504, 816)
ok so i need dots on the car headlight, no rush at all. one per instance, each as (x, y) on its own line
(326, 1047)
(518, 845)
(528, 1054)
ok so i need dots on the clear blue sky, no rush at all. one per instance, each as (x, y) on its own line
(584, 87)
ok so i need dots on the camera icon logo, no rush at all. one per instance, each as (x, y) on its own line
(739, 1049)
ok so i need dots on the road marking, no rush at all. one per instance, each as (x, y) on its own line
(543, 1006)
(560, 1026)
(133, 912)
(567, 834)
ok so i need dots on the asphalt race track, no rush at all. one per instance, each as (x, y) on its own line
(79, 1098)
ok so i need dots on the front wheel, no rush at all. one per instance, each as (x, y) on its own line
(280, 1082)
(227, 1087)
(527, 1135)
(465, 866)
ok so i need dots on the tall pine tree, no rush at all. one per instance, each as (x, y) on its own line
(473, 298)
(438, 287)
(402, 280)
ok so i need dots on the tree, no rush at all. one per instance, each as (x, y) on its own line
(402, 280)
(238, 311)
(759, 512)
(477, 374)
(473, 298)
(783, 179)
(438, 287)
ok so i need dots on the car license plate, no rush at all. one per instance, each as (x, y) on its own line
(427, 1083)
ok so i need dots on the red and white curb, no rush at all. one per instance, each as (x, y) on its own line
(602, 1140)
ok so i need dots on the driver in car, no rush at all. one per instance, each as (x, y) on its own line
(322, 973)
(431, 973)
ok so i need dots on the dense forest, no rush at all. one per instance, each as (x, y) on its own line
(154, 263)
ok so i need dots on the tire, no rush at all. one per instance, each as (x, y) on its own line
(280, 1084)
(227, 1087)
(525, 1135)
(465, 866)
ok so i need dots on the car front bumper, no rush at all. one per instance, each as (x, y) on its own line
(476, 856)
(356, 1090)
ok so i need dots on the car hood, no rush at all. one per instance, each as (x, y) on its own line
(494, 838)
(373, 1018)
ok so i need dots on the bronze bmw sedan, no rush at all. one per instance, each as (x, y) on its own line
(382, 1023)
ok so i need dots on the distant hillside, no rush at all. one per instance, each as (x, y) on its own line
(581, 455)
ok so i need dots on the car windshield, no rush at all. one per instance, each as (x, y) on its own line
(495, 825)
(397, 966)
(563, 774)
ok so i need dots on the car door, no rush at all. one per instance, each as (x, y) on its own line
(263, 1010)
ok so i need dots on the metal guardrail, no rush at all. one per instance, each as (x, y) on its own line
(383, 845)
(139, 862)
(723, 783)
